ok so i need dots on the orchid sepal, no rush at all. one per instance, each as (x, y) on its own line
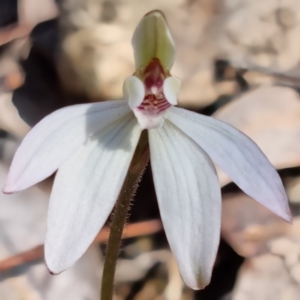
(152, 39)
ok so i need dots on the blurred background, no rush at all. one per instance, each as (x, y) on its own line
(237, 60)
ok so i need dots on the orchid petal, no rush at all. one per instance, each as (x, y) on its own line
(134, 91)
(238, 156)
(189, 199)
(171, 88)
(152, 39)
(85, 190)
(149, 121)
(56, 137)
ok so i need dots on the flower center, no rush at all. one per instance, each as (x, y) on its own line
(150, 92)
(154, 103)
(153, 77)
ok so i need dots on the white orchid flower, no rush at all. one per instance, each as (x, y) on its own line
(91, 146)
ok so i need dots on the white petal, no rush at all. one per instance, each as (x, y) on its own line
(56, 137)
(171, 88)
(134, 91)
(189, 199)
(149, 120)
(85, 190)
(238, 156)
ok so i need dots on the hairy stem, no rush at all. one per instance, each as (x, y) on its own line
(136, 169)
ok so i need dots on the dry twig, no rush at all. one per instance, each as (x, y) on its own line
(37, 253)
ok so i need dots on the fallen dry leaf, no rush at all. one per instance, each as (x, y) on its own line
(275, 275)
(13, 32)
(256, 36)
(292, 186)
(10, 119)
(265, 278)
(33, 12)
(248, 226)
(30, 13)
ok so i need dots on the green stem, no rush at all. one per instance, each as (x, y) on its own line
(136, 169)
